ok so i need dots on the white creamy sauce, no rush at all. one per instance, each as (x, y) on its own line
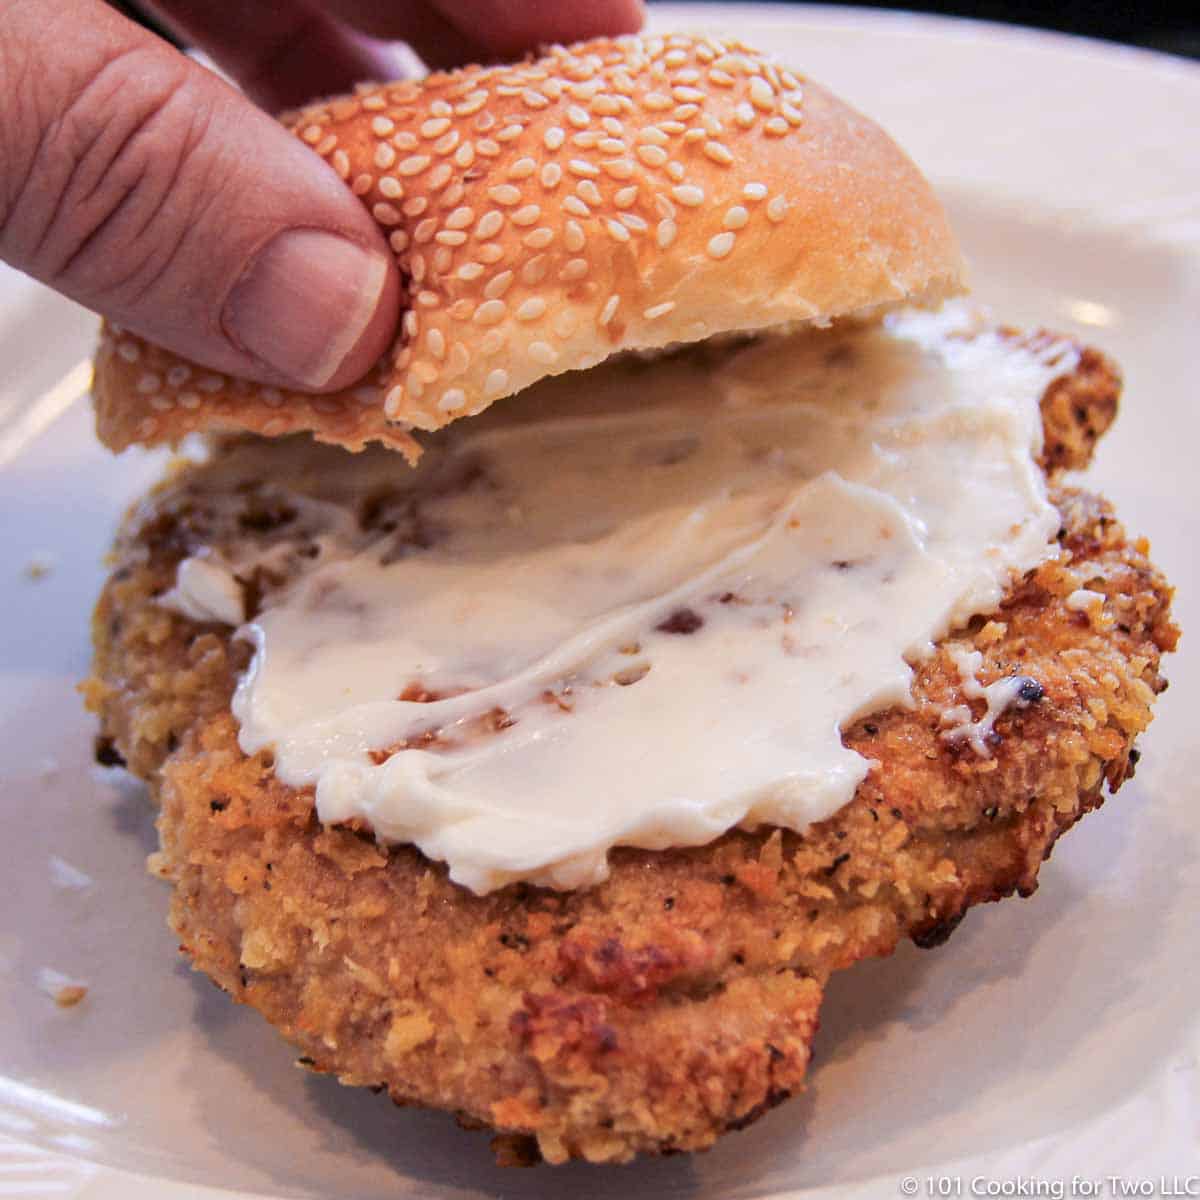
(999, 696)
(636, 606)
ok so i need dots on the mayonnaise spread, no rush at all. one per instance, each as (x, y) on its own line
(635, 606)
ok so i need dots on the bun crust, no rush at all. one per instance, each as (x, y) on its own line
(615, 195)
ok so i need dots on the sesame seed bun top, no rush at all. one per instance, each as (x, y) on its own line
(614, 195)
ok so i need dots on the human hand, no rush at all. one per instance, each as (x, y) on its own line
(140, 184)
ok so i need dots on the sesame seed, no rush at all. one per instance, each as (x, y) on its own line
(414, 386)
(386, 214)
(656, 101)
(425, 230)
(720, 246)
(543, 352)
(573, 236)
(619, 168)
(777, 209)
(439, 108)
(589, 139)
(148, 384)
(427, 299)
(658, 310)
(436, 342)
(721, 78)
(609, 310)
(414, 164)
(736, 217)
(490, 252)
(589, 191)
(460, 218)
(564, 323)
(440, 176)
(458, 361)
(374, 103)
(450, 237)
(573, 268)
(653, 135)
(606, 106)
(531, 309)
(689, 194)
(674, 128)
(626, 196)
(326, 147)
(434, 127)
(685, 112)
(452, 398)
(510, 133)
(496, 382)
(675, 58)
(411, 324)
(652, 156)
(691, 75)
(391, 187)
(776, 126)
(385, 156)
(415, 206)
(613, 127)
(311, 135)
(554, 138)
(617, 230)
(490, 224)
(633, 222)
(416, 267)
(719, 153)
(665, 233)
(491, 312)
(762, 95)
(485, 121)
(522, 168)
(755, 191)
(498, 285)
(534, 271)
(471, 103)
(687, 95)
(487, 147)
(405, 141)
(611, 145)
(398, 240)
(576, 207)
(526, 215)
(470, 271)
(551, 176)
(791, 114)
(539, 238)
(579, 166)
(393, 401)
(492, 341)
(362, 185)
(743, 114)
(533, 98)
(461, 310)
(464, 156)
(676, 170)
(341, 164)
(505, 193)
(447, 142)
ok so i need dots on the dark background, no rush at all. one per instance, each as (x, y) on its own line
(1174, 29)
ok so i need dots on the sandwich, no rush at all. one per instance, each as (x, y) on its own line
(729, 621)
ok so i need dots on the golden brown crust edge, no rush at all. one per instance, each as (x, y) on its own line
(619, 194)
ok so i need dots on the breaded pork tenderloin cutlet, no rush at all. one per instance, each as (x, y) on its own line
(679, 998)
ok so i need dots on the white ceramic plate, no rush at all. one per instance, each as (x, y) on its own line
(1052, 1038)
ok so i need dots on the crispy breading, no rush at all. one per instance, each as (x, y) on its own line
(677, 1000)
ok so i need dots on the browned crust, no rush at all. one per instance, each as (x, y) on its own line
(547, 215)
(679, 999)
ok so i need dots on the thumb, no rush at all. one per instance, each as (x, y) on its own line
(141, 185)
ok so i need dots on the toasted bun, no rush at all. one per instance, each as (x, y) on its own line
(614, 195)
